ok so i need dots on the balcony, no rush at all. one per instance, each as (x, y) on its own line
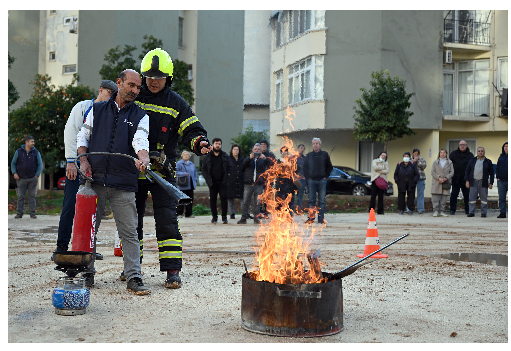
(467, 105)
(466, 32)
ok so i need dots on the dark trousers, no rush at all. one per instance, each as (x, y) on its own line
(68, 211)
(410, 200)
(24, 185)
(375, 191)
(168, 236)
(215, 190)
(187, 209)
(455, 190)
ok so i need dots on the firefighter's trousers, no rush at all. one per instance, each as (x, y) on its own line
(168, 236)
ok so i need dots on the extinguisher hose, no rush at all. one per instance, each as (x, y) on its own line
(180, 197)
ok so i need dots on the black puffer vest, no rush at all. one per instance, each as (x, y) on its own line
(113, 131)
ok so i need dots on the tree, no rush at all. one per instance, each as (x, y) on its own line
(382, 113)
(44, 116)
(150, 43)
(247, 139)
(180, 83)
(118, 60)
(13, 92)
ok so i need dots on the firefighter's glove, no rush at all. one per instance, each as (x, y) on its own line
(168, 166)
(156, 158)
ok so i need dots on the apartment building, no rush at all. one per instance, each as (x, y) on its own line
(61, 42)
(320, 60)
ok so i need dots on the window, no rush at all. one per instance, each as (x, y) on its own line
(452, 144)
(305, 80)
(474, 88)
(67, 21)
(448, 89)
(259, 125)
(467, 27)
(278, 90)
(298, 22)
(367, 152)
(52, 56)
(279, 33)
(180, 34)
(53, 12)
(502, 73)
(68, 69)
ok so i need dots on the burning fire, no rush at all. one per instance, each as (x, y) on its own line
(283, 244)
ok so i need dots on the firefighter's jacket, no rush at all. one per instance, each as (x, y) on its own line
(170, 117)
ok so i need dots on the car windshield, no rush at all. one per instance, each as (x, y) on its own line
(336, 173)
(352, 172)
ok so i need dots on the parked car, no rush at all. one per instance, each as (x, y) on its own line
(61, 184)
(345, 180)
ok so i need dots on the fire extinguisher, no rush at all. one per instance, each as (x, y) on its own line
(84, 229)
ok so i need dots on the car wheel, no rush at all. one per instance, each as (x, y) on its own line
(359, 190)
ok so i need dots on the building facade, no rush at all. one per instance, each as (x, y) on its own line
(60, 43)
(321, 59)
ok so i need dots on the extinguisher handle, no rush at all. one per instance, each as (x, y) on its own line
(85, 176)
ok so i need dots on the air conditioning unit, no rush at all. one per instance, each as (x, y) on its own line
(447, 56)
(190, 75)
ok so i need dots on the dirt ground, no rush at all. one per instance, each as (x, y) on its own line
(409, 297)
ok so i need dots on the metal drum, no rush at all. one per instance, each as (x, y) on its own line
(297, 310)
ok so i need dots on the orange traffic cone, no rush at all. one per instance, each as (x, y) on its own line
(117, 245)
(372, 241)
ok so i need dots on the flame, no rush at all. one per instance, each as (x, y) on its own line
(283, 245)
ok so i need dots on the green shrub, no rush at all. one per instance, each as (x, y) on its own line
(200, 210)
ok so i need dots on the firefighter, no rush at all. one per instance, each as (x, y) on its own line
(169, 117)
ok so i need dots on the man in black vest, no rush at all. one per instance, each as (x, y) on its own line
(121, 127)
(216, 168)
(26, 166)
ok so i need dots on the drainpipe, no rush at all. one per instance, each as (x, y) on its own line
(493, 25)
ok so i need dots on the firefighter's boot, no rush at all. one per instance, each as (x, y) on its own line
(173, 280)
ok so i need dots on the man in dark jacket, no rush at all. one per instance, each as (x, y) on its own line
(501, 176)
(26, 166)
(253, 166)
(406, 177)
(216, 168)
(317, 168)
(170, 117)
(476, 176)
(459, 158)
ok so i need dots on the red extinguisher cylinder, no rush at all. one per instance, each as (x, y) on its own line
(85, 219)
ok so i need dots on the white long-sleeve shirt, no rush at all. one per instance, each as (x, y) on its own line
(140, 139)
(73, 125)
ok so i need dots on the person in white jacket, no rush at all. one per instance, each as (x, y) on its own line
(379, 168)
(73, 126)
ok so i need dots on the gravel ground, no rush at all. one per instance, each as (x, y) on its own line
(407, 297)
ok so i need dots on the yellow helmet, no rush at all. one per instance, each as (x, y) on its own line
(157, 63)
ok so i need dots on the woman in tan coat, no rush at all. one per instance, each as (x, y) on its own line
(441, 171)
(379, 168)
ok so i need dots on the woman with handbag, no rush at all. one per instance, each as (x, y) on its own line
(379, 169)
(442, 172)
(186, 181)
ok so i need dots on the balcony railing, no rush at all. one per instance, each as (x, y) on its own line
(466, 32)
(468, 104)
